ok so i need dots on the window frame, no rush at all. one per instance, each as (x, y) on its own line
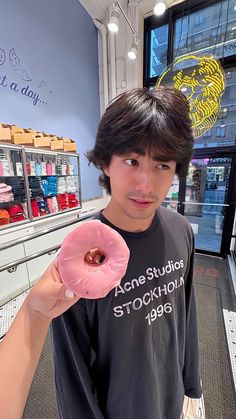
(170, 17)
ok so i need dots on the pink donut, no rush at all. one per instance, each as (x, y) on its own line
(79, 267)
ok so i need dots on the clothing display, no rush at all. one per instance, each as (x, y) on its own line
(49, 178)
(72, 200)
(62, 186)
(50, 205)
(38, 169)
(35, 208)
(4, 217)
(54, 204)
(43, 169)
(18, 187)
(36, 189)
(62, 202)
(137, 348)
(71, 184)
(6, 194)
(16, 213)
(6, 168)
(52, 185)
(43, 207)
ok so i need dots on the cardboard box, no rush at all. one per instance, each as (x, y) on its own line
(15, 129)
(69, 146)
(42, 141)
(5, 134)
(33, 132)
(22, 138)
(56, 143)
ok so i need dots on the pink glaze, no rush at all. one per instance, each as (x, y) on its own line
(92, 281)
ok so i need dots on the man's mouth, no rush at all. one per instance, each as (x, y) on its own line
(140, 203)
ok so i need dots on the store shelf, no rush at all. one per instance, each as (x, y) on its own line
(25, 156)
(4, 204)
(14, 176)
(57, 213)
(52, 175)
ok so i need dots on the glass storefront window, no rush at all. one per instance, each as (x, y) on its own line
(223, 133)
(206, 200)
(159, 45)
(208, 31)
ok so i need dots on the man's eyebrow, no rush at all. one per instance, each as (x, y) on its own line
(155, 157)
(161, 158)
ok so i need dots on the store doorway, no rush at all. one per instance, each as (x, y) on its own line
(205, 198)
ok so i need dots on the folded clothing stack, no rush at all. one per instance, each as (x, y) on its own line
(4, 217)
(39, 207)
(71, 184)
(6, 194)
(16, 213)
(18, 188)
(61, 186)
(43, 207)
(72, 200)
(35, 186)
(51, 207)
(35, 208)
(45, 186)
(54, 203)
(52, 185)
(62, 202)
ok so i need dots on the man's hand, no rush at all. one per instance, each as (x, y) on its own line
(49, 297)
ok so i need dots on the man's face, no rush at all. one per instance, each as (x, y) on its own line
(139, 184)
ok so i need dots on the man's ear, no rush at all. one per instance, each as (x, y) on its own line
(106, 170)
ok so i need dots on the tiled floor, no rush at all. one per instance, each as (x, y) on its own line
(8, 312)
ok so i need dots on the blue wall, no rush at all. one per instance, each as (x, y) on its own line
(49, 74)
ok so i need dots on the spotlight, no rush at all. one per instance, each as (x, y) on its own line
(113, 25)
(132, 54)
(160, 8)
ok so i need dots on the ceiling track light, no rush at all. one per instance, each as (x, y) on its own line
(132, 54)
(113, 26)
(160, 8)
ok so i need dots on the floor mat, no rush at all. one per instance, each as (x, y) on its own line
(213, 290)
(214, 362)
(41, 403)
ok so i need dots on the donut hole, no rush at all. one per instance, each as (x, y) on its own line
(94, 257)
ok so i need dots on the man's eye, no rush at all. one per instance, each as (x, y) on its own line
(163, 166)
(131, 162)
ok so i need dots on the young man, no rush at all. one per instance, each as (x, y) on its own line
(134, 353)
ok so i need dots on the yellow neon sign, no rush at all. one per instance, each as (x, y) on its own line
(202, 81)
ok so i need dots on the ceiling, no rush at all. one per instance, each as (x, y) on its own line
(96, 8)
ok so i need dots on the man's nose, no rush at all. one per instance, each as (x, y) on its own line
(144, 181)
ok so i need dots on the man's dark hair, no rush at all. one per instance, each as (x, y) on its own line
(156, 122)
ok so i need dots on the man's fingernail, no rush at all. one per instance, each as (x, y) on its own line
(69, 294)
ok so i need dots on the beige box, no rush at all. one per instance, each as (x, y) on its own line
(5, 134)
(71, 146)
(22, 138)
(56, 144)
(42, 141)
(29, 130)
(15, 129)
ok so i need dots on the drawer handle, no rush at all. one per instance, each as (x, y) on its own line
(52, 252)
(11, 270)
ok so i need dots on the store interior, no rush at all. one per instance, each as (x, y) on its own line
(60, 67)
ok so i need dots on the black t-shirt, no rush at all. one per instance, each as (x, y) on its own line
(134, 353)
